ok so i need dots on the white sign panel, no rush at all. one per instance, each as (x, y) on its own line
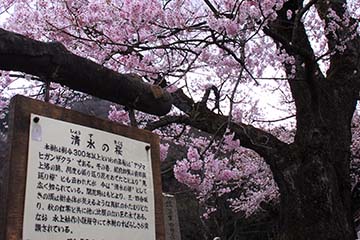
(86, 184)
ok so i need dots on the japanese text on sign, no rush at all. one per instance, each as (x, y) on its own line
(84, 183)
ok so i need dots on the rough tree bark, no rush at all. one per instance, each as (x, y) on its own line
(315, 182)
(52, 62)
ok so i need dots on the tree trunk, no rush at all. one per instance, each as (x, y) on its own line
(312, 204)
(313, 175)
(314, 183)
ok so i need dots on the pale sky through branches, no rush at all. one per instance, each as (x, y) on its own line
(269, 102)
(229, 69)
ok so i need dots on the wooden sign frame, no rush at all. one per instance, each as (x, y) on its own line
(19, 126)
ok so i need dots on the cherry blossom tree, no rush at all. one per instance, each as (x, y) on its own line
(213, 61)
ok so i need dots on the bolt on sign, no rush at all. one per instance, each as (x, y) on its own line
(75, 177)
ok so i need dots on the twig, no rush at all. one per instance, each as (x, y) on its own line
(275, 120)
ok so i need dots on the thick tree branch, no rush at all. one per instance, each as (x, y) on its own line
(200, 117)
(290, 34)
(167, 120)
(51, 61)
(344, 64)
(288, 46)
(262, 142)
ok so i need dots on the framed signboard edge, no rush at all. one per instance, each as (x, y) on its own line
(19, 126)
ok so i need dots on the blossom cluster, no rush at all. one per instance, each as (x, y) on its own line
(215, 172)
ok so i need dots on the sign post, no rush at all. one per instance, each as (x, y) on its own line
(75, 177)
(172, 227)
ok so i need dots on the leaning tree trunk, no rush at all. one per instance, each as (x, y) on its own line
(314, 182)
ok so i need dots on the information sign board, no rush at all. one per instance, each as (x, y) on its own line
(75, 177)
